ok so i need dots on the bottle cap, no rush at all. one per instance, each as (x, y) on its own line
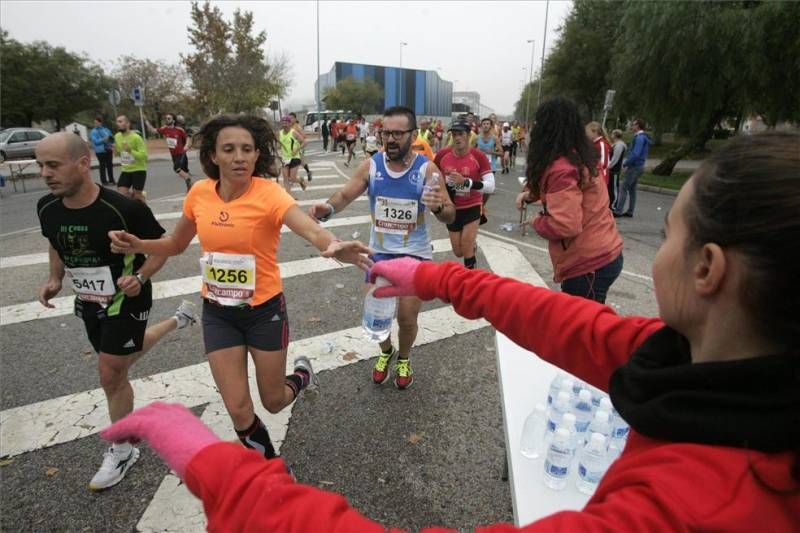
(598, 440)
(585, 395)
(605, 404)
(561, 434)
(568, 420)
(563, 397)
(601, 415)
(567, 384)
(539, 408)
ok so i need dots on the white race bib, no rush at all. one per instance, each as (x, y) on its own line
(172, 143)
(126, 158)
(395, 215)
(92, 284)
(230, 279)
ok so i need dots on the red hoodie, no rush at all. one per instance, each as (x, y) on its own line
(654, 486)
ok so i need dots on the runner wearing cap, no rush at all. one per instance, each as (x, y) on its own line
(469, 176)
(506, 141)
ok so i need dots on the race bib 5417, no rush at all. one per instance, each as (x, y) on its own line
(92, 284)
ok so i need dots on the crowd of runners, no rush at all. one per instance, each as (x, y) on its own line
(416, 173)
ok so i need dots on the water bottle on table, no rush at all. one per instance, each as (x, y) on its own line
(532, 441)
(592, 464)
(557, 462)
(378, 313)
(583, 410)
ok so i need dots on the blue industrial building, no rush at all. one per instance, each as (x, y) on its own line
(421, 90)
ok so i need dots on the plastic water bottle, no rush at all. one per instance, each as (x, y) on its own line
(592, 464)
(568, 423)
(568, 386)
(532, 441)
(583, 410)
(557, 462)
(619, 428)
(555, 386)
(605, 405)
(557, 410)
(600, 424)
(378, 313)
(431, 183)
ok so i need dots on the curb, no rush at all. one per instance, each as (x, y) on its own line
(658, 190)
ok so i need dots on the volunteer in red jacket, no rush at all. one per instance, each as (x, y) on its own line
(584, 244)
(595, 133)
(710, 389)
(176, 142)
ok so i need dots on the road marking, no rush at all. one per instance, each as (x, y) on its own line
(32, 229)
(544, 250)
(13, 261)
(64, 305)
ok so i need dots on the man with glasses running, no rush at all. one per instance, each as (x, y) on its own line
(394, 180)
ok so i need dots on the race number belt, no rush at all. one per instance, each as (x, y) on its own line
(92, 284)
(230, 279)
(126, 158)
(172, 143)
(395, 215)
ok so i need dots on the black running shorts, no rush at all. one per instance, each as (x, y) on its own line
(120, 334)
(133, 180)
(292, 163)
(263, 327)
(180, 162)
(464, 217)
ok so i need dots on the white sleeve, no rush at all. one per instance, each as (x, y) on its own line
(488, 183)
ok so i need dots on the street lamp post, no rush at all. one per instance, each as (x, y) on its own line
(319, 103)
(544, 44)
(532, 42)
(402, 44)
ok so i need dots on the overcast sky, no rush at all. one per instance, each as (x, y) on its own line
(480, 45)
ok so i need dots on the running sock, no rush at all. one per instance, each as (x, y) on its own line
(298, 381)
(470, 262)
(305, 166)
(390, 351)
(188, 182)
(122, 448)
(256, 437)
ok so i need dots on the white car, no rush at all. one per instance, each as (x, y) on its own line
(19, 143)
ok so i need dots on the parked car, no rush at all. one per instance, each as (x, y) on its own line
(19, 143)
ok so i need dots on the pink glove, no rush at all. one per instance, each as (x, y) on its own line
(173, 432)
(399, 272)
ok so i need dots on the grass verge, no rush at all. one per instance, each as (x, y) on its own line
(674, 182)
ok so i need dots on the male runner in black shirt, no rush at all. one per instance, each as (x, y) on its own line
(113, 291)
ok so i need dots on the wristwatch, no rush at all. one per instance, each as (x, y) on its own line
(140, 278)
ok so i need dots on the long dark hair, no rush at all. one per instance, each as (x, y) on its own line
(259, 128)
(558, 131)
(747, 198)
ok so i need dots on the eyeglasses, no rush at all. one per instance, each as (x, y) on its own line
(397, 134)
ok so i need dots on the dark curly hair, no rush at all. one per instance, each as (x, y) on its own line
(558, 131)
(259, 128)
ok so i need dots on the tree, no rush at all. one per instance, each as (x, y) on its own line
(45, 82)
(687, 64)
(228, 69)
(361, 97)
(164, 85)
(579, 65)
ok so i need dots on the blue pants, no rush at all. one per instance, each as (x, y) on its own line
(629, 182)
(594, 285)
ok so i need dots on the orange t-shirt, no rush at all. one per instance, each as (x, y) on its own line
(421, 146)
(248, 225)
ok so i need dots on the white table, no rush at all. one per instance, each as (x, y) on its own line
(524, 382)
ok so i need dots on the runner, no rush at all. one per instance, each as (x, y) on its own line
(507, 141)
(421, 146)
(488, 143)
(238, 216)
(363, 132)
(424, 132)
(394, 180)
(132, 151)
(291, 146)
(468, 176)
(438, 136)
(350, 136)
(334, 127)
(299, 130)
(372, 145)
(176, 142)
(113, 292)
(516, 133)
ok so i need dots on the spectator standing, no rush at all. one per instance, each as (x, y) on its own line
(634, 168)
(618, 150)
(103, 144)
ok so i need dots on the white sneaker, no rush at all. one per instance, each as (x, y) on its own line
(304, 363)
(186, 314)
(115, 465)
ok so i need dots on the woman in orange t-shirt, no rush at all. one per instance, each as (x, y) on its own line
(238, 217)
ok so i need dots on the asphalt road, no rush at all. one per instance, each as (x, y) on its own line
(431, 455)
